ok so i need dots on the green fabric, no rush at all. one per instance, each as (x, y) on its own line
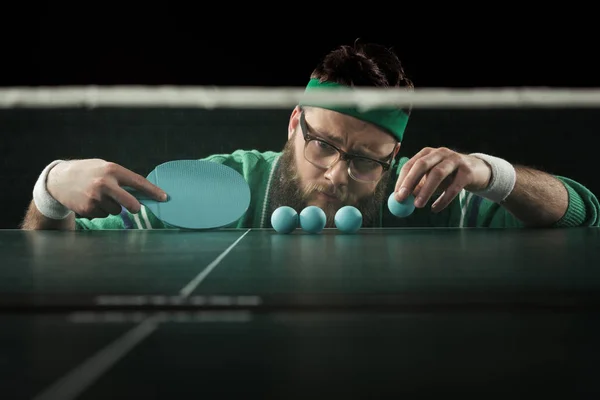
(391, 119)
(467, 210)
(254, 166)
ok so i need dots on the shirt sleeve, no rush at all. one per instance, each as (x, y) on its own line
(582, 210)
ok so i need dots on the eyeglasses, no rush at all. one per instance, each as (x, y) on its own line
(323, 154)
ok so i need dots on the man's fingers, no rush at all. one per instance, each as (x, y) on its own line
(415, 173)
(461, 179)
(124, 198)
(110, 206)
(435, 178)
(407, 167)
(419, 186)
(94, 212)
(125, 177)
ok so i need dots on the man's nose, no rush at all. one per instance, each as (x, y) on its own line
(338, 173)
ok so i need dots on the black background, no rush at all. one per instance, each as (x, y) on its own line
(166, 44)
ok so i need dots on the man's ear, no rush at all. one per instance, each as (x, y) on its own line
(294, 121)
(396, 151)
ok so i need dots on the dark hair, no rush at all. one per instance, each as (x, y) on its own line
(363, 64)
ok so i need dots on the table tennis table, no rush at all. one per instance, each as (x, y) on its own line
(167, 314)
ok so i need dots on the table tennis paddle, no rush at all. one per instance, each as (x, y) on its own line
(202, 194)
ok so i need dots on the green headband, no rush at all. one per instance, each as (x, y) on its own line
(391, 119)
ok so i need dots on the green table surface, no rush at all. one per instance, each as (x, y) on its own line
(423, 312)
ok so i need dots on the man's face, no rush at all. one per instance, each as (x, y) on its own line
(303, 183)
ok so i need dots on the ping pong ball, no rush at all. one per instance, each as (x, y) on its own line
(348, 219)
(313, 219)
(403, 208)
(284, 219)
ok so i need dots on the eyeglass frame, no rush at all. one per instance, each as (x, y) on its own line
(343, 155)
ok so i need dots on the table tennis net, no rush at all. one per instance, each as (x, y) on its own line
(142, 126)
(286, 97)
(191, 121)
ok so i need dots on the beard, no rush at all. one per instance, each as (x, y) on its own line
(288, 190)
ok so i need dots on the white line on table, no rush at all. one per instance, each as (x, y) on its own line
(73, 384)
(84, 375)
(193, 284)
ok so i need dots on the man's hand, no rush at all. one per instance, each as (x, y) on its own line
(93, 188)
(443, 171)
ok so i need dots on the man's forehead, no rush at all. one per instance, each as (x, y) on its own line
(344, 128)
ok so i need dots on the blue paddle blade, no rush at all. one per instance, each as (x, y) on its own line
(202, 194)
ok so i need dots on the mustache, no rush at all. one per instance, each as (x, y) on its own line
(342, 195)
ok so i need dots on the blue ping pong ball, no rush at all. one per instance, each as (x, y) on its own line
(284, 219)
(401, 209)
(348, 219)
(313, 219)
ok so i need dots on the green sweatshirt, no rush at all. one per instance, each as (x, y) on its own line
(466, 210)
